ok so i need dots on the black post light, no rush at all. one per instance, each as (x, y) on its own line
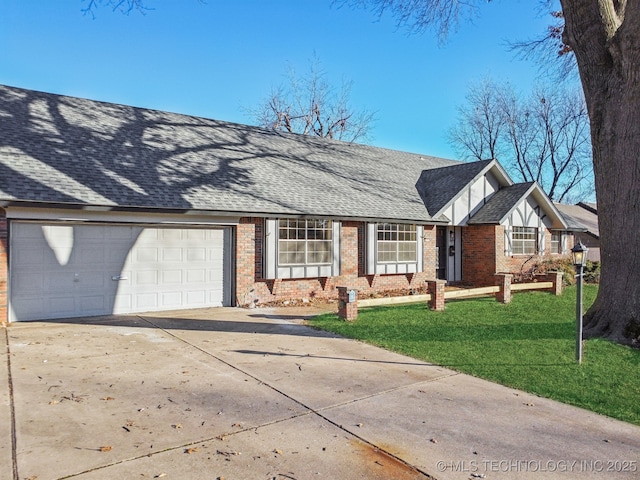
(579, 253)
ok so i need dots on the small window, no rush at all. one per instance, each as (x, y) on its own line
(556, 243)
(525, 241)
(304, 242)
(397, 243)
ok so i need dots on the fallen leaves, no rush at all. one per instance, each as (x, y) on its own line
(106, 448)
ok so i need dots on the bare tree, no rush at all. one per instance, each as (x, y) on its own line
(543, 138)
(122, 6)
(481, 123)
(603, 37)
(309, 105)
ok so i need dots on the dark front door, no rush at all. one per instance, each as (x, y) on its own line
(441, 253)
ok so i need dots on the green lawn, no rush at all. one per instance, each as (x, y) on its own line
(528, 344)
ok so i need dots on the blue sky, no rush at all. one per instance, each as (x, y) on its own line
(218, 58)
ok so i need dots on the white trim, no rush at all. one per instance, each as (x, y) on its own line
(270, 248)
(372, 238)
(272, 269)
(79, 215)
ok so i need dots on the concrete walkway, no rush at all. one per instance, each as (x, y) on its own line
(253, 394)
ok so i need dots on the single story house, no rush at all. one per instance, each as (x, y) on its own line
(108, 208)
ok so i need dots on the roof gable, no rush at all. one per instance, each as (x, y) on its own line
(505, 200)
(440, 187)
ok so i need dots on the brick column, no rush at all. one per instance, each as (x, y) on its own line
(4, 267)
(347, 307)
(556, 279)
(245, 256)
(436, 290)
(503, 280)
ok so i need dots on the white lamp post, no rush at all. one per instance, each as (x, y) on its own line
(579, 261)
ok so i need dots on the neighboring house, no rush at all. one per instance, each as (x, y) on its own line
(107, 208)
(582, 218)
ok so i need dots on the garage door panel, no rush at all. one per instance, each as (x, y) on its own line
(31, 307)
(171, 254)
(146, 301)
(62, 305)
(94, 254)
(146, 254)
(169, 235)
(172, 300)
(196, 254)
(93, 305)
(196, 276)
(122, 303)
(172, 277)
(58, 282)
(29, 255)
(149, 277)
(28, 281)
(88, 269)
(197, 297)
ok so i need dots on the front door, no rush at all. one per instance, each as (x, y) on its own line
(441, 253)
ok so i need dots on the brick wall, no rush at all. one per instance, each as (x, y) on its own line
(252, 288)
(483, 254)
(4, 267)
(480, 246)
(429, 255)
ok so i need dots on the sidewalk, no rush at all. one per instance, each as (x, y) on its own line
(241, 394)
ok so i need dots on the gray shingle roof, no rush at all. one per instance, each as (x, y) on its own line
(580, 218)
(67, 150)
(438, 186)
(501, 203)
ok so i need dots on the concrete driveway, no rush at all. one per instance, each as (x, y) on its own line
(253, 394)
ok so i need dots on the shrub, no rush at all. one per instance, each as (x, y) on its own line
(591, 272)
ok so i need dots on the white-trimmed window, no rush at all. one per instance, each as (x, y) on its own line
(397, 243)
(524, 241)
(556, 243)
(304, 242)
(301, 248)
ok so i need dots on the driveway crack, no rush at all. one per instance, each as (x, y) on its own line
(12, 410)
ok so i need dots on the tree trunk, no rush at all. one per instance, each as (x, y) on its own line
(605, 37)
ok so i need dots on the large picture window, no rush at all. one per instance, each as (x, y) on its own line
(304, 242)
(524, 241)
(397, 243)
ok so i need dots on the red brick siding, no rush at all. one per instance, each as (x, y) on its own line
(484, 254)
(252, 288)
(480, 246)
(429, 255)
(4, 267)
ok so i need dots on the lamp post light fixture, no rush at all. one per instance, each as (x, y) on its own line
(579, 253)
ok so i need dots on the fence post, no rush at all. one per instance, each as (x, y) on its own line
(347, 303)
(436, 290)
(504, 282)
(556, 279)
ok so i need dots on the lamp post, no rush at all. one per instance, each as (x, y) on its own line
(579, 261)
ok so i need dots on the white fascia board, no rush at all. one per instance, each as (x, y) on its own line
(79, 215)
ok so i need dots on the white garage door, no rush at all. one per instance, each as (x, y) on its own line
(64, 270)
